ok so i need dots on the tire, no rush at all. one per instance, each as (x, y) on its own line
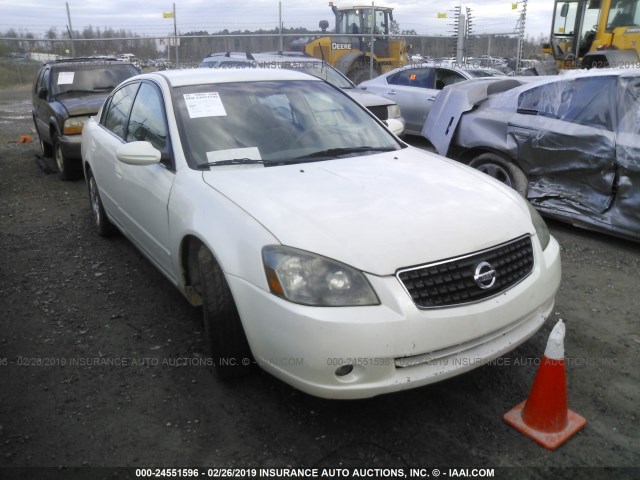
(224, 335)
(100, 221)
(502, 170)
(359, 73)
(67, 169)
(46, 150)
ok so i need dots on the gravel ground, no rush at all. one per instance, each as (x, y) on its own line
(99, 354)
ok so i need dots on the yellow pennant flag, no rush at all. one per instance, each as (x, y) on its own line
(442, 14)
(167, 14)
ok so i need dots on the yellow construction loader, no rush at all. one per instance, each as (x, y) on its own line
(595, 33)
(349, 48)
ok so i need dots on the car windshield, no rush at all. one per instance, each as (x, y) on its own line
(315, 68)
(78, 78)
(275, 122)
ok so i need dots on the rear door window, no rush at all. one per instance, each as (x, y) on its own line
(414, 77)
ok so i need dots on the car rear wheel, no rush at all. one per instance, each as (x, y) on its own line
(100, 221)
(67, 169)
(502, 170)
(223, 330)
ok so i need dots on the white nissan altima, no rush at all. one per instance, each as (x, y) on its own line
(320, 246)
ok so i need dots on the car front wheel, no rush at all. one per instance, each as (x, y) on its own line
(502, 170)
(67, 169)
(223, 330)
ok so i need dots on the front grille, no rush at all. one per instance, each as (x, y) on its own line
(461, 280)
(380, 111)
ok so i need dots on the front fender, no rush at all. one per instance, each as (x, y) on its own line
(233, 236)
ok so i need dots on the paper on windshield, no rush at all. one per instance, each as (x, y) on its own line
(206, 104)
(65, 78)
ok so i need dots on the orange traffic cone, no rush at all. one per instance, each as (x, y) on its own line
(544, 416)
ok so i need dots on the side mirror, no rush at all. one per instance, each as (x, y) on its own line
(564, 10)
(138, 153)
(42, 93)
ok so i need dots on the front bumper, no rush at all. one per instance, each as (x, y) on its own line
(70, 146)
(393, 346)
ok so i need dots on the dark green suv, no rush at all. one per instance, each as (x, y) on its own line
(65, 94)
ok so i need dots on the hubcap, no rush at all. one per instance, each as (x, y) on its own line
(497, 172)
(95, 200)
(58, 154)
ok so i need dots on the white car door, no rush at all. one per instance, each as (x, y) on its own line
(103, 142)
(135, 196)
(144, 190)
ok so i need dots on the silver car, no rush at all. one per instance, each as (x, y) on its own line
(414, 87)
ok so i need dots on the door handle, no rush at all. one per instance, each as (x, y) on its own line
(392, 92)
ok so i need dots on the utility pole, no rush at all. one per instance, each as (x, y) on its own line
(70, 30)
(281, 44)
(520, 30)
(468, 33)
(175, 35)
(373, 39)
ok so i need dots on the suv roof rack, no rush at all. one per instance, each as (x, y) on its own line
(84, 59)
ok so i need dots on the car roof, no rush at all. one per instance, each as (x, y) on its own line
(529, 82)
(87, 61)
(599, 72)
(444, 64)
(198, 76)
(264, 56)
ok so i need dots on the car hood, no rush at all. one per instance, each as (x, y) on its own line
(378, 213)
(87, 104)
(367, 99)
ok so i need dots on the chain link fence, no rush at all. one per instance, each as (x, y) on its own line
(21, 57)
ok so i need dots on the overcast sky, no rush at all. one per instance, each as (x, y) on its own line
(145, 17)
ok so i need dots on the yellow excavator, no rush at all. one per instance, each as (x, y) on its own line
(349, 49)
(595, 33)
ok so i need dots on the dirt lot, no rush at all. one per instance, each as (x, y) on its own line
(74, 305)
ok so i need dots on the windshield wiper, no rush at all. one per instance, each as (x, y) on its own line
(337, 152)
(233, 161)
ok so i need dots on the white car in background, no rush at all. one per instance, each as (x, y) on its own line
(320, 246)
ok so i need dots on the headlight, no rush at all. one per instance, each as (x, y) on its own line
(541, 228)
(74, 126)
(393, 111)
(309, 279)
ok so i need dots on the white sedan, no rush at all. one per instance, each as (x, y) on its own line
(320, 246)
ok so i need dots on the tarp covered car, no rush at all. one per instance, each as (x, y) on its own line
(570, 143)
